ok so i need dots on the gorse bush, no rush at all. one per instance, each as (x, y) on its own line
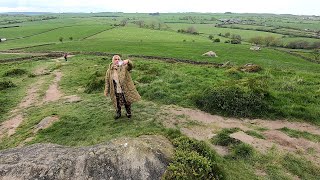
(216, 40)
(189, 165)
(15, 72)
(6, 84)
(249, 98)
(96, 83)
(192, 160)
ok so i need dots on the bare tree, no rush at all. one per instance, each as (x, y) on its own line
(192, 30)
(153, 25)
(140, 23)
(124, 22)
(269, 40)
(256, 40)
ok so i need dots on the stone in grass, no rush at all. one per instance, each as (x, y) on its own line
(210, 54)
(45, 123)
(251, 68)
(72, 99)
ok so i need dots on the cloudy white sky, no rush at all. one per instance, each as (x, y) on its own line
(306, 7)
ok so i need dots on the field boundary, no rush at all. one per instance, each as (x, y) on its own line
(50, 55)
(167, 59)
(297, 55)
(60, 53)
(39, 33)
(26, 47)
(97, 33)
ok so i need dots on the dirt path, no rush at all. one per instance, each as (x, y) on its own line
(53, 93)
(62, 58)
(203, 126)
(9, 126)
(31, 98)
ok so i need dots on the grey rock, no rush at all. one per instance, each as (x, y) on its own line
(145, 157)
(45, 123)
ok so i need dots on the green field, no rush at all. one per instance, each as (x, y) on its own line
(284, 86)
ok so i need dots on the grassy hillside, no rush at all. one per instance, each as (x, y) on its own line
(283, 86)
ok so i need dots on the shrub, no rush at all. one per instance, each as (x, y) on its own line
(15, 72)
(234, 72)
(6, 84)
(192, 30)
(211, 37)
(256, 40)
(189, 165)
(251, 68)
(236, 36)
(227, 41)
(31, 75)
(248, 100)
(242, 151)
(217, 40)
(192, 160)
(235, 41)
(96, 83)
(298, 45)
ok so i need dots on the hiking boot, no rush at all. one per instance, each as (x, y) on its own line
(117, 116)
(128, 115)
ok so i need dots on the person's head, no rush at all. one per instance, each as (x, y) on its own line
(116, 59)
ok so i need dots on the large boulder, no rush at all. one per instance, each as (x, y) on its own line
(145, 157)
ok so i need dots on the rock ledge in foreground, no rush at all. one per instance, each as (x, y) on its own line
(145, 157)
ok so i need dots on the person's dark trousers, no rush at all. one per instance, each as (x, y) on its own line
(127, 105)
(128, 109)
(118, 105)
(121, 97)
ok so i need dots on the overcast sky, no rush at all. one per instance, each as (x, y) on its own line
(300, 7)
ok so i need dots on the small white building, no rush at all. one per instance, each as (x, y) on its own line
(2, 39)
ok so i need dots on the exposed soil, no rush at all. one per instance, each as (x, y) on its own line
(31, 96)
(32, 99)
(203, 126)
(9, 127)
(53, 93)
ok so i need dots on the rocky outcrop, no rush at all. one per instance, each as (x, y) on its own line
(145, 157)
